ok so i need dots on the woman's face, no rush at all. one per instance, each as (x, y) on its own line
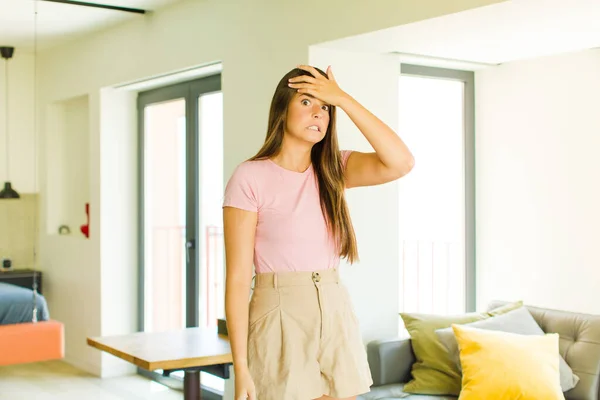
(307, 118)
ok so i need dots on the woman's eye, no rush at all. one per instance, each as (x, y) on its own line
(305, 102)
(326, 108)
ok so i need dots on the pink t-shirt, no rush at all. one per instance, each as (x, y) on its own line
(291, 233)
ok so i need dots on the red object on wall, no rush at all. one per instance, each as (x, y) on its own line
(85, 229)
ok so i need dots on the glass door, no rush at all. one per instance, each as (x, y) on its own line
(164, 216)
(181, 159)
(180, 163)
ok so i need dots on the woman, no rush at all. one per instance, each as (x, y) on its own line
(285, 212)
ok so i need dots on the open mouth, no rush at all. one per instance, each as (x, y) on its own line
(314, 128)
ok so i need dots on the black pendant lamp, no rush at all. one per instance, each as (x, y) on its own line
(7, 192)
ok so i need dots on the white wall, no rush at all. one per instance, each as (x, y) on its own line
(118, 240)
(538, 220)
(257, 42)
(66, 171)
(21, 126)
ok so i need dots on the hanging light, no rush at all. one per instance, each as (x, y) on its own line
(7, 192)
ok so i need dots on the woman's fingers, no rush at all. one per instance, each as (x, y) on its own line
(301, 86)
(312, 70)
(305, 88)
(309, 92)
(303, 78)
(330, 74)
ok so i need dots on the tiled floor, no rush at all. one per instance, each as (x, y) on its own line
(56, 380)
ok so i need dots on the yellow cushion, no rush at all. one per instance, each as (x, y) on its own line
(505, 366)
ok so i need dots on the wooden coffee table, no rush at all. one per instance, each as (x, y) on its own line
(190, 350)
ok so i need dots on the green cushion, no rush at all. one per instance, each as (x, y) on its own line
(434, 372)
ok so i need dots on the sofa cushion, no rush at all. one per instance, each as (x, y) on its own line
(390, 360)
(396, 391)
(506, 366)
(579, 345)
(517, 321)
(434, 372)
(418, 397)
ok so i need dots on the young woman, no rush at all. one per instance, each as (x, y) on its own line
(285, 212)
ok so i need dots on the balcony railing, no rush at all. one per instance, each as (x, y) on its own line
(432, 277)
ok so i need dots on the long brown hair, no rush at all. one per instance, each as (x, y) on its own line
(326, 161)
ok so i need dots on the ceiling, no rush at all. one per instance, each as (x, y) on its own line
(58, 22)
(508, 31)
(502, 32)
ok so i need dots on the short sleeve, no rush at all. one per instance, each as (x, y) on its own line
(240, 191)
(345, 154)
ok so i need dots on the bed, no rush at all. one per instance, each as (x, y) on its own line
(16, 305)
(24, 341)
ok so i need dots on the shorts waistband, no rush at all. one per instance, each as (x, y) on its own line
(279, 279)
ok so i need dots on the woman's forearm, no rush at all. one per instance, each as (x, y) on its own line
(236, 313)
(239, 229)
(391, 150)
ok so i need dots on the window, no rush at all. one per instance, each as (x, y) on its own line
(437, 197)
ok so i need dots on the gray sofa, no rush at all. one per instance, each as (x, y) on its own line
(391, 360)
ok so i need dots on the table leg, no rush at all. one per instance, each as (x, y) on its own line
(191, 385)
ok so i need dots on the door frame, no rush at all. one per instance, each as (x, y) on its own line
(191, 92)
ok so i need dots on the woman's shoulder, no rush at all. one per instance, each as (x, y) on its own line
(252, 165)
(250, 168)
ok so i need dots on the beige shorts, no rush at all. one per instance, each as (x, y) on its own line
(304, 339)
